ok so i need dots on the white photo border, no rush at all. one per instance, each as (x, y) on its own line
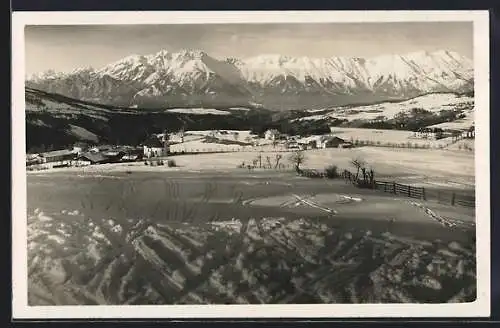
(479, 308)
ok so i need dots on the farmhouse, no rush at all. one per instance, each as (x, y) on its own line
(430, 133)
(293, 145)
(132, 154)
(114, 155)
(153, 147)
(57, 156)
(80, 147)
(470, 133)
(308, 142)
(101, 148)
(93, 158)
(331, 142)
(272, 134)
(32, 159)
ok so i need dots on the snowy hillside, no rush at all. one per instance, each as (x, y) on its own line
(431, 102)
(199, 111)
(173, 78)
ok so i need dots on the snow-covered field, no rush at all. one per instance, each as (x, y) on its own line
(386, 137)
(198, 111)
(461, 124)
(194, 141)
(412, 166)
(221, 134)
(431, 102)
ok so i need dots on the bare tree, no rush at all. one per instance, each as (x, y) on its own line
(268, 162)
(277, 162)
(358, 163)
(297, 158)
(259, 159)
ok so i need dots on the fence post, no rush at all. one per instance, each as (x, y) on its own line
(409, 191)
(423, 193)
(453, 198)
(394, 187)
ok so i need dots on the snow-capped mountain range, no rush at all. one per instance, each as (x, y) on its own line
(192, 77)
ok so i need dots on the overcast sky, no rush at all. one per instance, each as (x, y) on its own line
(64, 48)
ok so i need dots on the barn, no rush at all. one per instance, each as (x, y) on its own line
(430, 133)
(58, 156)
(330, 142)
(93, 158)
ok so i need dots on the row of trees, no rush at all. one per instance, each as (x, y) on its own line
(296, 128)
(264, 163)
(412, 120)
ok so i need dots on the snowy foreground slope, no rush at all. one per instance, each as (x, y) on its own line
(258, 261)
(194, 76)
(198, 238)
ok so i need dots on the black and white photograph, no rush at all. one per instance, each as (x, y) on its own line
(211, 160)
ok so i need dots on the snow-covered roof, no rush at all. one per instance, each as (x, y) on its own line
(93, 157)
(153, 142)
(56, 153)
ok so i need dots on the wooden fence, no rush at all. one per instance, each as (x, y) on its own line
(443, 197)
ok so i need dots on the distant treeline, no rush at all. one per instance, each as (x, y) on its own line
(46, 130)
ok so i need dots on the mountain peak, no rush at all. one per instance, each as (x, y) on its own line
(192, 53)
(191, 73)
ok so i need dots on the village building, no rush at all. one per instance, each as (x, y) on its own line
(293, 145)
(272, 134)
(132, 154)
(429, 133)
(308, 142)
(93, 158)
(470, 133)
(114, 155)
(80, 147)
(332, 142)
(33, 159)
(58, 156)
(154, 147)
(100, 148)
(131, 157)
(312, 144)
(322, 142)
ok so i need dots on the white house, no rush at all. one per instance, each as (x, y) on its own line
(272, 134)
(153, 147)
(322, 142)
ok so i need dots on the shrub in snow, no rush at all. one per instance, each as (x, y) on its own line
(171, 163)
(332, 172)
